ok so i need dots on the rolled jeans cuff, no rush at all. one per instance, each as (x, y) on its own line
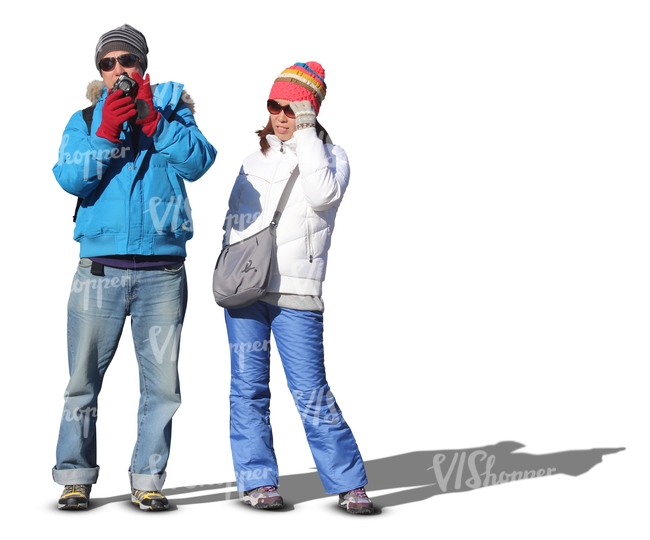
(69, 477)
(147, 482)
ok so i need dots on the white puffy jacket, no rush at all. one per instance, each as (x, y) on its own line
(305, 228)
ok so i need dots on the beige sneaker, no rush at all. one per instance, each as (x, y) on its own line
(356, 502)
(263, 497)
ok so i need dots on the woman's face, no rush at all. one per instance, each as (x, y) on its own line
(283, 126)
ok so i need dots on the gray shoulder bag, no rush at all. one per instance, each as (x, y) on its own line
(244, 269)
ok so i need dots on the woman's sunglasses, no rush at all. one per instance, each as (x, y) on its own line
(125, 60)
(275, 108)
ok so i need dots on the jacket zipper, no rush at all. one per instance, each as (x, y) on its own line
(267, 196)
(309, 250)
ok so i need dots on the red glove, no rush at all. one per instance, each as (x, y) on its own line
(118, 108)
(148, 116)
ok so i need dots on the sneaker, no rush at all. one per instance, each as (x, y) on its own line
(356, 502)
(75, 497)
(149, 500)
(263, 497)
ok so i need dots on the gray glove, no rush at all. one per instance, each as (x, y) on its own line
(305, 114)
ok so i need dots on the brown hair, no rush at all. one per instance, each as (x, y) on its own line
(321, 132)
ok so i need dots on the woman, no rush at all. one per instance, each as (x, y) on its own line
(292, 309)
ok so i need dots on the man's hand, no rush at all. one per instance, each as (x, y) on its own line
(148, 116)
(117, 109)
(305, 114)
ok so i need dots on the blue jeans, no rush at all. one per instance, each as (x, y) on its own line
(299, 338)
(97, 310)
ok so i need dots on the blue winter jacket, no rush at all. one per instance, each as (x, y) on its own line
(134, 198)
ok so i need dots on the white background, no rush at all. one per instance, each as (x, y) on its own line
(488, 279)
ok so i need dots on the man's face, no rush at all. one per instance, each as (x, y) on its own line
(111, 76)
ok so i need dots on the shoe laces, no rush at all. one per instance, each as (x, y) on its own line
(359, 492)
(264, 489)
(79, 488)
(151, 494)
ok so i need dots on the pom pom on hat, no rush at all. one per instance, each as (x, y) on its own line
(301, 82)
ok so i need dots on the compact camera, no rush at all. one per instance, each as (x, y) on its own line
(126, 84)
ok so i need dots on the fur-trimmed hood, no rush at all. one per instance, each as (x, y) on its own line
(96, 89)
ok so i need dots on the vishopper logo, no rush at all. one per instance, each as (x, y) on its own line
(316, 407)
(475, 481)
(99, 284)
(319, 407)
(161, 211)
(240, 222)
(255, 474)
(240, 349)
(172, 339)
(157, 478)
(80, 414)
(99, 157)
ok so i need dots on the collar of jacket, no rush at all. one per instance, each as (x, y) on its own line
(281, 146)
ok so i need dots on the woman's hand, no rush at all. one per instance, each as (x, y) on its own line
(305, 114)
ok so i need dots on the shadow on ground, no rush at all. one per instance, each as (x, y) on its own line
(414, 476)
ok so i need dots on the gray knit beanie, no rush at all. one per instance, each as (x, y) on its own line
(125, 38)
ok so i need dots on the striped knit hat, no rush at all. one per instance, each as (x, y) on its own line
(125, 38)
(301, 82)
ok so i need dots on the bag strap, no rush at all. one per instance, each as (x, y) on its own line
(285, 197)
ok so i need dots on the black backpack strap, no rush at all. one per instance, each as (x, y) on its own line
(76, 209)
(88, 117)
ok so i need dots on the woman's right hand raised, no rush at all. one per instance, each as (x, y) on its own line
(305, 114)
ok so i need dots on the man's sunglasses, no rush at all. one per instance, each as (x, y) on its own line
(125, 60)
(275, 108)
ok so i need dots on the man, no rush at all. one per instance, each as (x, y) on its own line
(126, 159)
